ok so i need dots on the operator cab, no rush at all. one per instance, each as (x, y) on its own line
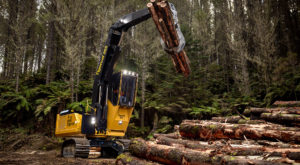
(123, 88)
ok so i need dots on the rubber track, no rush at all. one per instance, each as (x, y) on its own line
(82, 147)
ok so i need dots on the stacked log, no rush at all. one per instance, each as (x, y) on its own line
(163, 19)
(283, 115)
(208, 130)
(286, 103)
(177, 154)
(224, 140)
(236, 120)
(128, 159)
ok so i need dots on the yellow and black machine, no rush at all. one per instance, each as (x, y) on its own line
(114, 94)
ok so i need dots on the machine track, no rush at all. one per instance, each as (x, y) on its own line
(76, 147)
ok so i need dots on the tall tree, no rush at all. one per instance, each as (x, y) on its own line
(72, 17)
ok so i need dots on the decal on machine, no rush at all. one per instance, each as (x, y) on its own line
(70, 122)
(101, 61)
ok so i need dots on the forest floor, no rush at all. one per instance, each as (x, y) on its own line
(20, 148)
(47, 157)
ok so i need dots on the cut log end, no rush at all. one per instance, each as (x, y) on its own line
(149, 5)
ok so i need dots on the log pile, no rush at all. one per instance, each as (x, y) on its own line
(287, 103)
(163, 19)
(288, 113)
(223, 140)
(211, 142)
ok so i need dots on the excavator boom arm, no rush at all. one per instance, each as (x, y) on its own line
(163, 17)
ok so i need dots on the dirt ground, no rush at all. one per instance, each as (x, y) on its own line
(47, 157)
(21, 148)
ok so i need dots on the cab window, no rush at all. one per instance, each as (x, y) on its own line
(127, 93)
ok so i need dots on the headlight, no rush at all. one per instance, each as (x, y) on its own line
(93, 121)
(125, 72)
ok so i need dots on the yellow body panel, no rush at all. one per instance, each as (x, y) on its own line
(117, 122)
(68, 125)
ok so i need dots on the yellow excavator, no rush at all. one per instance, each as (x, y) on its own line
(114, 94)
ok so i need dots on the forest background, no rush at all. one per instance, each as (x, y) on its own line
(243, 53)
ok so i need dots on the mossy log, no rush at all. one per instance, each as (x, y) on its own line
(281, 117)
(236, 120)
(180, 155)
(174, 135)
(276, 144)
(230, 119)
(255, 160)
(231, 149)
(128, 159)
(192, 144)
(286, 103)
(282, 110)
(168, 154)
(207, 130)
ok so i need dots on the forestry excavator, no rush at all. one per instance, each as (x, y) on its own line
(114, 94)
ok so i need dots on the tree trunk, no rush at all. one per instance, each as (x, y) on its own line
(155, 122)
(180, 155)
(128, 159)
(231, 119)
(50, 47)
(39, 55)
(72, 81)
(287, 103)
(258, 111)
(174, 135)
(143, 90)
(167, 154)
(77, 79)
(206, 130)
(236, 120)
(293, 118)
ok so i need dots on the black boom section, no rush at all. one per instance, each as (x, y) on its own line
(87, 127)
(106, 64)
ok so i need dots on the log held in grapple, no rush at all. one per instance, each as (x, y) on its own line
(163, 18)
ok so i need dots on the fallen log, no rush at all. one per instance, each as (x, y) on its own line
(284, 110)
(286, 103)
(180, 155)
(231, 149)
(207, 130)
(174, 135)
(280, 117)
(230, 119)
(254, 160)
(168, 154)
(236, 120)
(277, 144)
(199, 145)
(128, 159)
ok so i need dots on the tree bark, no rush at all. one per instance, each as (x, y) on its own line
(174, 135)
(293, 118)
(167, 154)
(128, 159)
(287, 103)
(50, 47)
(155, 122)
(180, 155)
(206, 130)
(143, 89)
(231, 119)
(283, 110)
(227, 148)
